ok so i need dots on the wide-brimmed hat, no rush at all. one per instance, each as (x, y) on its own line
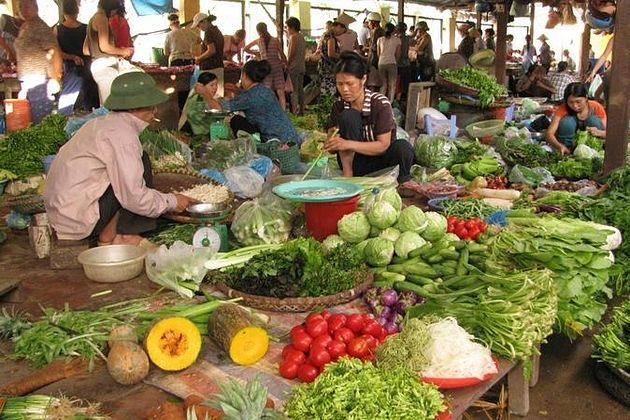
(198, 18)
(422, 25)
(134, 90)
(345, 19)
(474, 33)
(373, 16)
(543, 37)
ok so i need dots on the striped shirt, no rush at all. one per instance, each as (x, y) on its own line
(376, 113)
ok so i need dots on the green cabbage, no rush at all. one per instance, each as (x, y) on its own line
(354, 227)
(391, 234)
(382, 215)
(411, 219)
(361, 247)
(407, 242)
(436, 226)
(584, 152)
(374, 231)
(435, 152)
(451, 237)
(378, 252)
(390, 196)
(332, 242)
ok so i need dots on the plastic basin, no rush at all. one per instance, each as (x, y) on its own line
(322, 218)
(485, 128)
(112, 263)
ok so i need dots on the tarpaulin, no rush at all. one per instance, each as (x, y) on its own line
(152, 7)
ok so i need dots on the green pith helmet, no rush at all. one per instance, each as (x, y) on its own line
(134, 90)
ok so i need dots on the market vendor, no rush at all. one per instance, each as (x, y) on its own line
(366, 140)
(98, 187)
(534, 83)
(259, 104)
(577, 113)
(195, 119)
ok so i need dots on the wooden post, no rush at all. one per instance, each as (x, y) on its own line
(452, 28)
(501, 47)
(401, 11)
(280, 5)
(586, 49)
(617, 130)
(532, 20)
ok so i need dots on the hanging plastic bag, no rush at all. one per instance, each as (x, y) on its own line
(265, 220)
(244, 182)
(179, 268)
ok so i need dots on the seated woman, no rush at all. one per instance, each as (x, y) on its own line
(99, 186)
(577, 113)
(534, 83)
(195, 119)
(366, 140)
(262, 110)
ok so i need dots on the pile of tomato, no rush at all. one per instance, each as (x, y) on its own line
(324, 338)
(497, 182)
(466, 229)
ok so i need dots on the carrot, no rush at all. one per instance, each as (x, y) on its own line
(49, 374)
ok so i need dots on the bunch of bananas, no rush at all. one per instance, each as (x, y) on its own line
(485, 166)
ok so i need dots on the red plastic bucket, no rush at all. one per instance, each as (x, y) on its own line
(322, 218)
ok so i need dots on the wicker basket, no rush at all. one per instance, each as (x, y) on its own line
(267, 303)
(448, 86)
(287, 159)
(26, 204)
(615, 381)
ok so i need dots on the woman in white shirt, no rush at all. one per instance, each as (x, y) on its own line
(388, 48)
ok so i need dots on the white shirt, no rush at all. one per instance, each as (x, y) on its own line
(387, 49)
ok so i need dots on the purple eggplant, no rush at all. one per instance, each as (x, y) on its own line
(391, 328)
(389, 297)
(549, 208)
(385, 311)
(382, 320)
(372, 297)
(405, 301)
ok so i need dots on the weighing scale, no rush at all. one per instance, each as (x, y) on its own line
(219, 130)
(214, 234)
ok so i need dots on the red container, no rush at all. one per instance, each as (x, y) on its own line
(322, 218)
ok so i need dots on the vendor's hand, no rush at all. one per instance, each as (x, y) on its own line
(589, 78)
(53, 87)
(77, 60)
(336, 144)
(197, 60)
(183, 202)
(564, 150)
(126, 52)
(596, 131)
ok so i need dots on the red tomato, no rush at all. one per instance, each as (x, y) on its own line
(461, 232)
(372, 328)
(356, 323)
(302, 341)
(289, 369)
(344, 334)
(470, 224)
(474, 232)
(336, 349)
(316, 327)
(371, 340)
(460, 224)
(358, 347)
(322, 340)
(286, 349)
(307, 373)
(482, 226)
(295, 355)
(451, 219)
(298, 329)
(367, 317)
(326, 315)
(312, 317)
(319, 357)
(335, 322)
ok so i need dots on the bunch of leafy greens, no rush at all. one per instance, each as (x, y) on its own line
(518, 152)
(584, 137)
(573, 168)
(468, 151)
(612, 344)
(572, 250)
(322, 110)
(354, 390)
(489, 89)
(299, 269)
(21, 151)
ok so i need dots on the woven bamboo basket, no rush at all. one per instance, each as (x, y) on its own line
(267, 303)
(448, 86)
(26, 204)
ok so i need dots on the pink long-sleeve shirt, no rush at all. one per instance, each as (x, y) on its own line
(104, 151)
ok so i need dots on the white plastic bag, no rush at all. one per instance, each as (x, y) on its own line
(265, 220)
(179, 268)
(244, 182)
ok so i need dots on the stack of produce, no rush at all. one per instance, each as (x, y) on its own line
(578, 254)
(489, 89)
(612, 344)
(353, 389)
(326, 337)
(484, 166)
(165, 151)
(207, 193)
(517, 151)
(435, 152)
(468, 208)
(389, 306)
(47, 407)
(466, 229)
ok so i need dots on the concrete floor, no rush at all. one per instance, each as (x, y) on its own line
(567, 388)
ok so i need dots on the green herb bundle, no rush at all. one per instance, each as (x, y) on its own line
(353, 390)
(573, 168)
(489, 89)
(469, 208)
(612, 344)
(174, 232)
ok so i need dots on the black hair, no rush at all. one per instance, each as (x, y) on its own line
(577, 89)
(257, 70)
(562, 66)
(70, 7)
(206, 77)
(490, 31)
(173, 17)
(240, 33)
(294, 23)
(389, 30)
(402, 26)
(108, 6)
(352, 63)
(261, 28)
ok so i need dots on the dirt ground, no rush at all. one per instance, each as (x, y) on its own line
(567, 388)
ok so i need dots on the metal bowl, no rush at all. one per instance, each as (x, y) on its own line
(112, 263)
(207, 209)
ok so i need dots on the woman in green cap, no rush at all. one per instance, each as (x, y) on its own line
(99, 185)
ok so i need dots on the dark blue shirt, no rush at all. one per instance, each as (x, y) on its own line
(262, 109)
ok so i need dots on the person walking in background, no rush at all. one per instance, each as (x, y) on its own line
(120, 27)
(404, 65)
(211, 59)
(509, 46)
(346, 37)
(363, 35)
(424, 53)
(570, 62)
(528, 53)
(544, 54)
(376, 32)
(489, 39)
(329, 52)
(99, 44)
(466, 47)
(76, 66)
(478, 43)
(388, 47)
(39, 63)
(179, 43)
(269, 49)
(296, 64)
(233, 46)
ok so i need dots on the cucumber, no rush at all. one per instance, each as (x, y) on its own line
(419, 280)
(389, 277)
(399, 260)
(397, 268)
(448, 254)
(405, 286)
(420, 270)
(459, 245)
(463, 262)
(476, 248)
(434, 259)
(419, 251)
(449, 264)
(447, 271)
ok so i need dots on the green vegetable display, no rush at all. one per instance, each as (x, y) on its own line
(404, 349)
(382, 215)
(174, 232)
(435, 152)
(354, 227)
(519, 152)
(21, 151)
(378, 252)
(265, 220)
(586, 138)
(411, 219)
(573, 168)
(612, 344)
(353, 390)
(436, 226)
(489, 89)
(469, 150)
(528, 176)
(7, 175)
(484, 166)
(407, 242)
(391, 234)
(469, 208)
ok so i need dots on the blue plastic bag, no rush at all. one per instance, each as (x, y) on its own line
(262, 165)
(194, 77)
(74, 124)
(215, 175)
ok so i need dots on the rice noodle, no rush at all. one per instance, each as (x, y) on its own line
(208, 193)
(452, 353)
